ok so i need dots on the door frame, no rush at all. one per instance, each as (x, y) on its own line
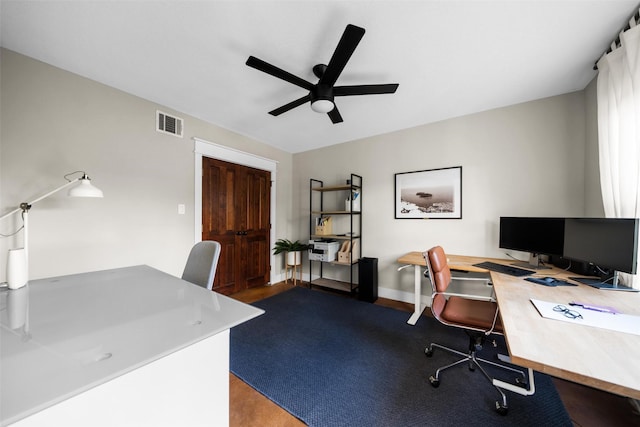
(203, 148)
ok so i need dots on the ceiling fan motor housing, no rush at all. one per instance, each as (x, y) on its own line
(319, 69)
(322, 98)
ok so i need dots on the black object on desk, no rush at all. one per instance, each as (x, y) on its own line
(549, 281)
(600, 284)
(506, 269)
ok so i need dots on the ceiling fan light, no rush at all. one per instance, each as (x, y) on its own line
(322, 106)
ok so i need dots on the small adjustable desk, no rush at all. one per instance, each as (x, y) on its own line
(599, 358)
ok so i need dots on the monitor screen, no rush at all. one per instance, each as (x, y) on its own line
(537, 235)
(609, 243)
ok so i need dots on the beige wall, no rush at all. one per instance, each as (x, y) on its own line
(526, 159)
(522, 160)
(55, 122)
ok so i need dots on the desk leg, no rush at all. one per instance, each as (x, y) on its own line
(516, 389)
(417, 312)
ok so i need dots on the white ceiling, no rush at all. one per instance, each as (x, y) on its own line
(450, 58)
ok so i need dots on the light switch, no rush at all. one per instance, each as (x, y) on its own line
(181, 209)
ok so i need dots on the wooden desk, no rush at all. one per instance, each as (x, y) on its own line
(599, 358)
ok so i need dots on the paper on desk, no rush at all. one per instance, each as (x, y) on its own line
(615, 322)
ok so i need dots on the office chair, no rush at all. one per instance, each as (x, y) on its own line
(202, 263)
(478, 318)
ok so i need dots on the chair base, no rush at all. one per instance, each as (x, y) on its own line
(475, 342)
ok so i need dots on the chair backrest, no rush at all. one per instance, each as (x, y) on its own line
(439, 276)
(439, 268)
(202, 263)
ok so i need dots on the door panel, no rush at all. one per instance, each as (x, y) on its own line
(226, 274)
(257, 227)
(257, 266)
(235, 212)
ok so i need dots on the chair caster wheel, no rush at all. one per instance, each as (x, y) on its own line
(434, 381)
(428, 352)
(502, 410)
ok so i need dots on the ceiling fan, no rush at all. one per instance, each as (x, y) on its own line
(321, 94)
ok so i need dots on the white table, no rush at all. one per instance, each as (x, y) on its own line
(128, 346)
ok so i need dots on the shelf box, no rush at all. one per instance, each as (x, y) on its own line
(352, 203)
(349, 252)
(344, 257)
(326, 228)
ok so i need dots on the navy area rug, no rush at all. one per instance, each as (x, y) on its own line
(333, 361)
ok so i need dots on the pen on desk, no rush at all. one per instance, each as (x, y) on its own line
(594, 308)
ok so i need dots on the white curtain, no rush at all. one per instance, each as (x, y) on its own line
(619, 130)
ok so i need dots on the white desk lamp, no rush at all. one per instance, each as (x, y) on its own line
(83, 189)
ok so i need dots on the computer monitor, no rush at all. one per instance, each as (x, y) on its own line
(536, 235)
(610, 244)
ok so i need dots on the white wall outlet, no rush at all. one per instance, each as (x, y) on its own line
(181, 209)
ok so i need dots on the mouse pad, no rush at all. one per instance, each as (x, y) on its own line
(552, 282)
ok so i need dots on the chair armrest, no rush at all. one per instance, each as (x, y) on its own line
(470, 289)
(471, 275)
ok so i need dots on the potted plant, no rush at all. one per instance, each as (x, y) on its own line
(292, 249)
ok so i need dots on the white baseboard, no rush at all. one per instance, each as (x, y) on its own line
(392, 294)
(403, 296)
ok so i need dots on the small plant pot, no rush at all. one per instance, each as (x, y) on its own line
(294, 258)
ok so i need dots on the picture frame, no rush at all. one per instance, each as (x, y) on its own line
(429, 194)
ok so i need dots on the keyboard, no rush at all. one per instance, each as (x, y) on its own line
(506, 269)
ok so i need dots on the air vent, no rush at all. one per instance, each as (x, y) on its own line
(166, 123)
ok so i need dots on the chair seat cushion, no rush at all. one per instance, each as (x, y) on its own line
(467, 312)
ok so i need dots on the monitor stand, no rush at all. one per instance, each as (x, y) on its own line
(532, 264)
(599, 284)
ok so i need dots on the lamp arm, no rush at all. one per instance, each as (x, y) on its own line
(62, 187)
(27, 205)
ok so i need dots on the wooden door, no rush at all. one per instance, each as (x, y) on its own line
(235, 212)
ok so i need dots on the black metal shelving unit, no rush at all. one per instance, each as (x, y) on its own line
(320, 207)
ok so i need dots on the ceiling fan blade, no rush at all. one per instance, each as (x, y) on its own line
(347, 44)
(290, 106)
(259, 64)
(365, 89)
(334, 115)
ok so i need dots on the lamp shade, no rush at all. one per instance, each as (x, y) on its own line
(17, 274)
(85, 189)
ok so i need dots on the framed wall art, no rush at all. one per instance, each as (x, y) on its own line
(429, 194)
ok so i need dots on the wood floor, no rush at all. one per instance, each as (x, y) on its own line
(586, 406)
